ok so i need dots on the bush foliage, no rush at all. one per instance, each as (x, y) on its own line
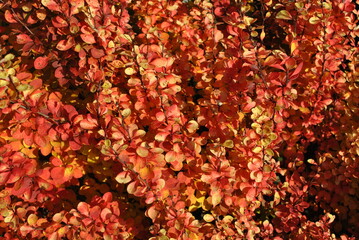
(169, 119)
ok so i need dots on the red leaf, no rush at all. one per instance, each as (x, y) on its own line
(297, 70)
(97, 53)
(65, 45)
(93, 3)
(250, 195)
(89, 123)
(278, 66)
(88, 38)
(51, 4)
(59, 72)
(36, 83)
(24, 76)
(95, 212)
(4, 176)
(41, 62)
(23, 38)
(107, 197)
(59, 22)
(247, 108)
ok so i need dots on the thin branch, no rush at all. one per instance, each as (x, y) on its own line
(21, 22)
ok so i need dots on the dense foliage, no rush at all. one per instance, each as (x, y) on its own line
(168, 119)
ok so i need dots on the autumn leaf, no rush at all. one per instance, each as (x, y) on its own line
(51, 4)
(142, 151)
(97, 53)
(89, 123)
(152, 213)
(57, 172)
(216, 198)
(65, 45)
(284, 15)
(41, 62)
(23, 38)
(123, 177)
(162, 62)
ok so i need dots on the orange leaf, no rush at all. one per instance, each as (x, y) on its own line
(218, 35)
(57, 173)
(162, 62)
(89, 123)
(46, 150)
(40, 140)
(9, 17)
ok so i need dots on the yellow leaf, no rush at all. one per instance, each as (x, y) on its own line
(284, 14)
(126, 112)
(123, 177)
(257, 149)
(216, 198)
(23, 87)
(32, 219)
(106, 85)
(111, 44)
(293, 46)
(144, 172)
(142, 152)
(228, 144)
(208, 217)
(248, 20)
(304, 110)
(129, 71)
(314, 20)
(263, 35)
(269, 152)
(192, 126)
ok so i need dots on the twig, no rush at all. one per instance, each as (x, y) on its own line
(21, 22)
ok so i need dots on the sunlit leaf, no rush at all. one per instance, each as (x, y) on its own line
(284, 14)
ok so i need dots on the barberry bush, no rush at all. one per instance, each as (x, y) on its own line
(169, 119)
